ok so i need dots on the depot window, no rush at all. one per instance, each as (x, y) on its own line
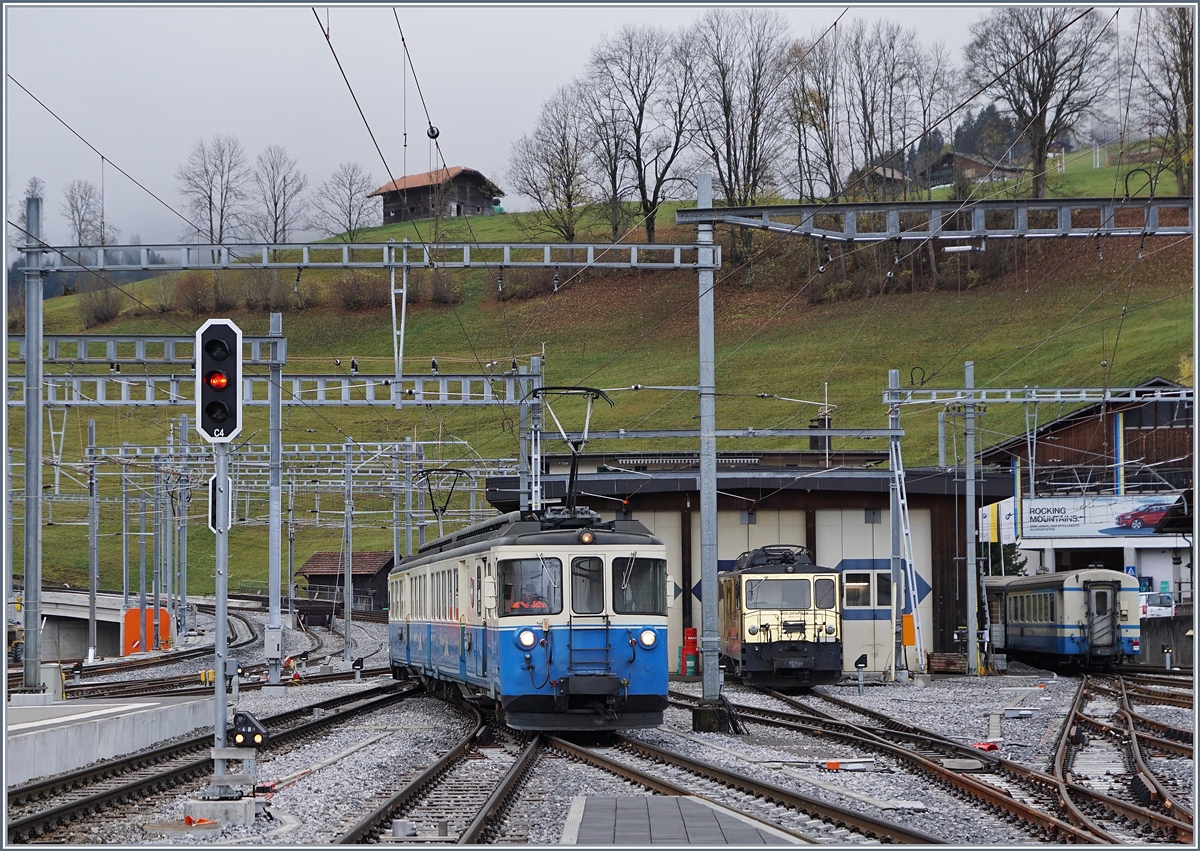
(858, 589)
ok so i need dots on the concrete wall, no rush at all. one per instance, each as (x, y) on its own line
(1170, 631)
(67, 638)
(57, 749)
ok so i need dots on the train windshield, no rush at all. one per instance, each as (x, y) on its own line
(587, 585)
(778, 594)
(639, 585)
(532, 586)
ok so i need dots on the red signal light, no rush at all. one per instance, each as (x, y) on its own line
(217, 380)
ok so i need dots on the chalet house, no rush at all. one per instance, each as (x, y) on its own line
(973, 167)
(1102, 478)
(325, 573)
(453, 191)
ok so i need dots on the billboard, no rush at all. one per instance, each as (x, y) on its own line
(1093, 516)
(998, 522)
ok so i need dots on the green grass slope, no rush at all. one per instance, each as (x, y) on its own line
(1061, 315)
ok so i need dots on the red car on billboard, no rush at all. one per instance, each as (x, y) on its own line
(1146, 515)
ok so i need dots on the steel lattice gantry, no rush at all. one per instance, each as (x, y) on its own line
(880, 221)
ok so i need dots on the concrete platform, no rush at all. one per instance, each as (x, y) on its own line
(66, 735)
(663, 820)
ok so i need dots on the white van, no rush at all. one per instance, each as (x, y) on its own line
(1159, 605)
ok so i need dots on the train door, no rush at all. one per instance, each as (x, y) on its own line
(1101, 610)
(478, 657)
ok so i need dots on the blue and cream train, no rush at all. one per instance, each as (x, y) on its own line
(554, 619)
(1089, 617)
(780, 618)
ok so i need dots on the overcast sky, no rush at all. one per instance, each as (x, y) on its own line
(142, 84)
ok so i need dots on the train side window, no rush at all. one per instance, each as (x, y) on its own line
(826, 593)
(479, 590)
(587, 585)
(883, 589)
(858, 589)
(457, 607)
(1053, 616)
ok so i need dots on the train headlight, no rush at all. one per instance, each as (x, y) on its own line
(648, 638)
(753, 630)
(587, 536)
(830, 629)
(526, 638)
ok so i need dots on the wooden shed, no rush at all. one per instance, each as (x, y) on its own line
(325, 573)
(973, 167)
(453, 191)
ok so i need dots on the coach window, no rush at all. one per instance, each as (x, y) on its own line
(532, 586)
(858, 589)
(639, 586)
(587, 585)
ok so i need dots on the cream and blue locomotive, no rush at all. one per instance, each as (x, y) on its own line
(780, 619)
(554, 619)
(1086, 617)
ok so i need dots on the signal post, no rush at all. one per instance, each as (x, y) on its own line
(218, 354)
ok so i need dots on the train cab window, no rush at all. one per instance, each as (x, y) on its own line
(587, 585)
(826, 593)
(858, 589)
(532, 586)
(639, 586)
(778, 594)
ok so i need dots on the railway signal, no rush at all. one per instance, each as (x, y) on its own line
(219, 380)
(249, 732)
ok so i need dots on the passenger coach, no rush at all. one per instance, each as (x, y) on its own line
(1086, 617)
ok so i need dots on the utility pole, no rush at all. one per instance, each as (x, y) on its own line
(32, 674)
(348, 590)
(706, 716)
(894, 515)
(273, 637)
(93, 540)
(184, 498)
(972, 550)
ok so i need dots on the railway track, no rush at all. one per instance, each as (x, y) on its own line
(1058, 804)
(241, 628)
(46, 810)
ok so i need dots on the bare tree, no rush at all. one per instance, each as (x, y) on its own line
(1058, 57)
(644, 87)
(340, 205)
(875, 88)
(934, 90)
(740, 63)
(549, 167)
(813, 118)
(608, 160)
(83, 209)
(278, 195)
(214, 183)
(1168, 74)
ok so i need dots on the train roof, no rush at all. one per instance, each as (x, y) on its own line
(553, 526)
(779, 558)
(1062, 577)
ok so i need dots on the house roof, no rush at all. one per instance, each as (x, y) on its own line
(1013, 444)
(1178, 519)
(428, 178)
(332, 564)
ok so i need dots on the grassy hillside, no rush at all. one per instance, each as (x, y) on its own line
(1038, 312)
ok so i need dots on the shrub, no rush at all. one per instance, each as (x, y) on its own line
(526, 283)
(226, 289)
(358, 289)
(191, 293)
(264, 290)
(444, 288)
(99, 302)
